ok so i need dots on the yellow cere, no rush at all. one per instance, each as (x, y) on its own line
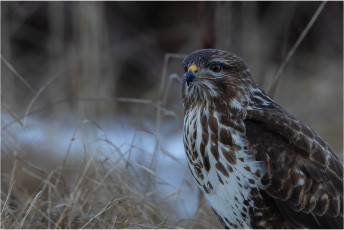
(194, 68)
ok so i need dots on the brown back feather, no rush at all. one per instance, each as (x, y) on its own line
(305, 175)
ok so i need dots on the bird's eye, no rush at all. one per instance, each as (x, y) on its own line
(216, 68)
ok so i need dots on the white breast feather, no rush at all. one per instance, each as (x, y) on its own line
(224, 194)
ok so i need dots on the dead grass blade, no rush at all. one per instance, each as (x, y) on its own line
(17, 74)
(4, 208)
(107, 206)
(33, 100)
(30, 208)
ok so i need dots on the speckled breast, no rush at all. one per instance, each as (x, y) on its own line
(219, 161)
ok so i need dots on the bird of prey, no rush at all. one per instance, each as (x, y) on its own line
(257, 165)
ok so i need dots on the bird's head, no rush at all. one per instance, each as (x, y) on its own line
(212, 74)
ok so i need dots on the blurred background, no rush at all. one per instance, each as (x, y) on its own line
(91, 111)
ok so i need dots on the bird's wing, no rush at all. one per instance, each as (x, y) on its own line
(304, 178)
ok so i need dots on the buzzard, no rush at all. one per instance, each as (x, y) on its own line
(257, 165)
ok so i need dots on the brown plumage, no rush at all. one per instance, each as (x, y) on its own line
(258, 166)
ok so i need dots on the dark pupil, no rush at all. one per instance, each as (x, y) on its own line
(216, 68)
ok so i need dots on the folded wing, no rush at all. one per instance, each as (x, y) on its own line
(304, 179)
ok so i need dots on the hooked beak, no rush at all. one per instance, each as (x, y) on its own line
(192, 75)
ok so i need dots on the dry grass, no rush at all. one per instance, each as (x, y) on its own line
(90, 190)
(89, 193)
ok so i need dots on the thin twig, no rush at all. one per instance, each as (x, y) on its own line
(134, 100)
(277, 78)
(114, 222)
